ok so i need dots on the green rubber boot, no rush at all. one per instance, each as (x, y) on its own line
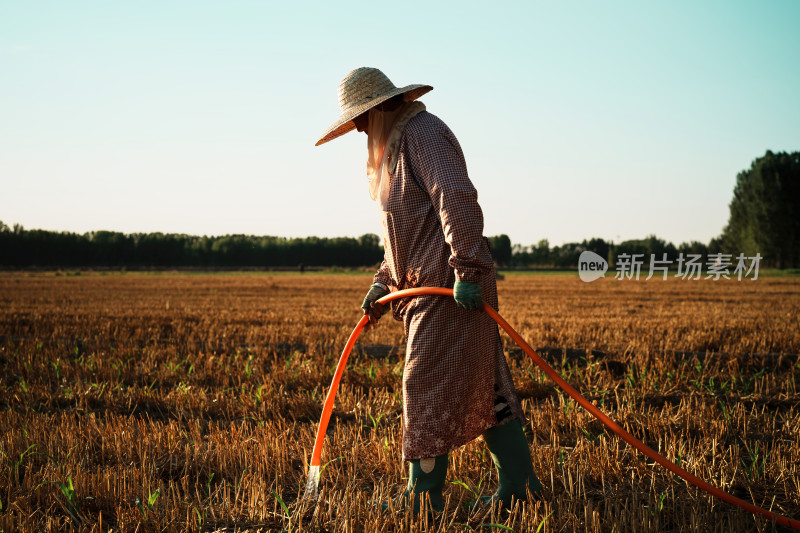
(512, 459)
(432, 483)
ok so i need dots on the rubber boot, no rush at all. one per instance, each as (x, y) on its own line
(512, 459)
(431, 483)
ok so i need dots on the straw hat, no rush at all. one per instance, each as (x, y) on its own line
(361, 90)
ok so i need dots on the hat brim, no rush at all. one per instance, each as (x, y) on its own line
(345, 122)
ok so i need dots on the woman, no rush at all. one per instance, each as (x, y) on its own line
(456, 383)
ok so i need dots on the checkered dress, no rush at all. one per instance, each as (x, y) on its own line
(456, 382)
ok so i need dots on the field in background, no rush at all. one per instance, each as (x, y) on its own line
(189, 402)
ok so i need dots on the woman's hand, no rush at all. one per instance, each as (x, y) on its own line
(370, 305)
(468, 294)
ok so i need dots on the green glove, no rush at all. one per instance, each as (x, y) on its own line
(468, 294)
(370, 306)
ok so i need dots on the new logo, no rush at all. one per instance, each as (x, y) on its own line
(591, 266)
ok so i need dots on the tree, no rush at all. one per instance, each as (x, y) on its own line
(598, 246)
(541, 252)
(500, 245)
(765, 211)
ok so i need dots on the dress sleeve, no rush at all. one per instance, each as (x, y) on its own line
(382, 275)
(438, 163)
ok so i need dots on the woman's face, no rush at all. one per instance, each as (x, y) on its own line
(361, 121)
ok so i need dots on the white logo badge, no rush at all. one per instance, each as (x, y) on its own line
(591, 266)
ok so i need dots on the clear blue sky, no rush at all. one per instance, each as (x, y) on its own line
(577, 119)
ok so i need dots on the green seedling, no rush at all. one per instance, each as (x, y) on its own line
(603, 394)
(758, 463)
(208, 486)
(151, 502)
(16, 465)
(462, 484)
(476, 492)
(662, 497)
(285, 507)
(88, 364)
(100, 388)
(291, 358)
(698, 366)
(631, 377)
(201, 518)
(569, 405)
(725, 412)
(541, 524)
(257, 396)
(375, 421)
(56, 367)
(152, 497)
(174, 367)
(329, 462)
(588, 435)
(398, 397)
(241, 479)
(118, 365)
(73, 506)
(247, 367)
(188, 438)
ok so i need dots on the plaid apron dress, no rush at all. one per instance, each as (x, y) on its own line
(456, 382)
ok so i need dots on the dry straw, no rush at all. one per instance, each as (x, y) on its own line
(361, 90)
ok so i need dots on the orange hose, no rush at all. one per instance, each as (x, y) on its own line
(627, 437)
(327, 407)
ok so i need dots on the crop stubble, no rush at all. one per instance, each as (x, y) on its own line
(208, 388)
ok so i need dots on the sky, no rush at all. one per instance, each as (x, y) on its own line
(577, 119)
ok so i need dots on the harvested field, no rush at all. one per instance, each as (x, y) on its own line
(187, 402)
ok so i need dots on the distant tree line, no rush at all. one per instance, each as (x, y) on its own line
(21, 248)
(764, 219)
(566, 255)
(39, 248)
